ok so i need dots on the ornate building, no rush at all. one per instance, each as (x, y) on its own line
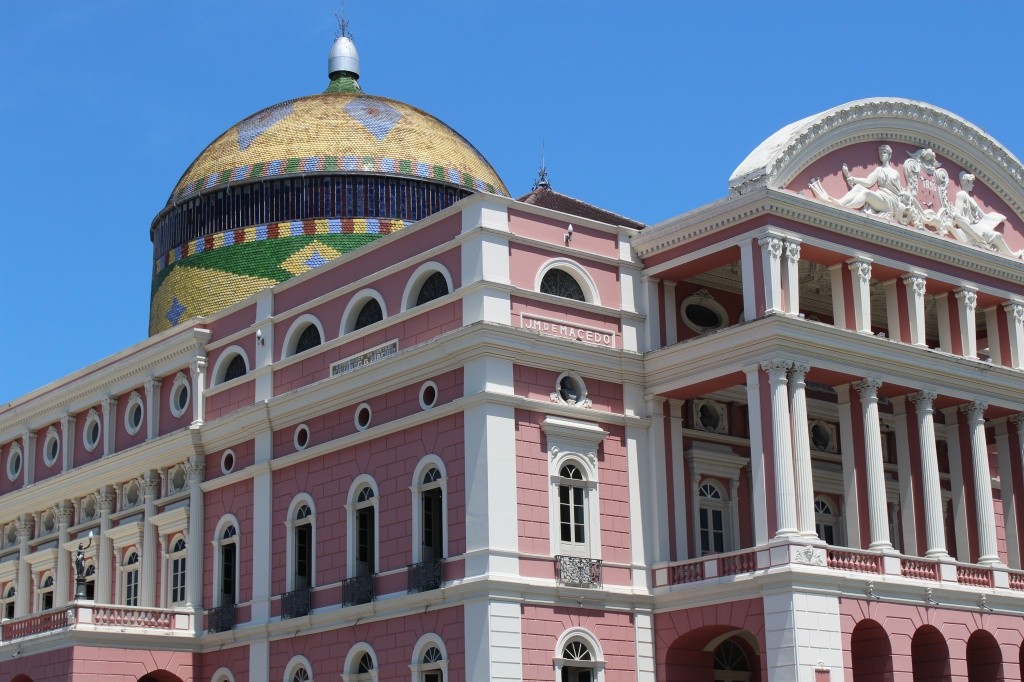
(392, 424)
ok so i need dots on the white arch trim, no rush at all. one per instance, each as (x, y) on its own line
(297, 501)
(418, 277)
(223, 675)
(354, 654)
(776, 161)
(298, 661)
(579, 273)
(225, 521)
(355, 304)
(422, 644)
(220, 368)
(291, 339)
(739, 634)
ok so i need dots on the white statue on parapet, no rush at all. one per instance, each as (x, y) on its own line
(977, 226)
(890, 199)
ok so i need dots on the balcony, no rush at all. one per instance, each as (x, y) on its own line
(221, 618)
(426, 575)
(357, 590)
(99, 618)
(577, 571)
(296, 603)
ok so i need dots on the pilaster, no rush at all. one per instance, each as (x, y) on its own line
(1007, 494)
(849, 464)
(28, 456)
(67, 446)
(109, 408)
(679, 498)
(485, 259)
(749, 280)
(758, 474)
(494, 640)
(892, 309)
(915, 285)
(956, 481)
(772, 249)
(104, 576)
(1015, 327)
(908, 503)
(152, 407)
(860, 279)
(791, 276)
(198, 390)
(24, 591)
(147, 586)
(195, 470)
(671, 313)
(62, 582)
(966, 305)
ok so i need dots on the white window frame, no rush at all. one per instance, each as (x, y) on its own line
(180, 383)
(835, 519)
(15, 449)
(52, 437)
(224, 361)
(355, 654)
(8, 596)
(352, 507)
(719, 462)
(125, 568)
(596, 664)
(91, 418)
(223, 675)
(133, 400)
(416, 665)
(172, 556)
(419, 278)
(43, 589)
(294, 665)
(574, 270)
(574, 442)
(355, 305)
(291, 339)
(291, 525)
(418, 488)
(711, 504)
(226, 521)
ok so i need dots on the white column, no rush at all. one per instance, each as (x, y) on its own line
(984, 508)
(800, 631)
(758, 483)
(675, 409)
(147, 586)
(1015, 327)
(262, 496)
(67, 446)
(791, 275)
(24, 590)
(1007, 494)
(838, 296)
(750, 284)
(196, 470)
(198, 390)
(656, 439)
(878, 513)
(995, 346)
(643, 629)
(485, 260)
(942, 318)
(28, 456)
(152, 408)
(782, 444)
(652, 311)
(494, 639)
(264, 335)
(892, 310)
(915, 285)
(908, 503)
(851, 504)
(62, 583)
(956, 484)
(935, 531)
(860, 271)
(801, 451)
(671, 313)
(771, 270)
(966, 304)
(109, 408)
(105, 553)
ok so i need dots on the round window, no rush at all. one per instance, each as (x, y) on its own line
(710, 419)
(702, 316)
(52, 449)
(301, 438)
(133, 415)
(363, 417)
(821, 437)
(702, 313)
(179, 397)
(570, 389)
(428, 395)
(14, 464)
(227, 462)
(91, 432)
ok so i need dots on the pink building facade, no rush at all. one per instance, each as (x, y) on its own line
(778, 437)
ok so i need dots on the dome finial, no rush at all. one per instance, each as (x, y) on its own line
(542, 176)
(344, 59)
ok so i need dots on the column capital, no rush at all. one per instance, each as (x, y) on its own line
(67, 421)
(1018, 421)
(798, 371)
(922, 400)
(199, 364)
(773, 246)
(105, 502)
(975, 411)
(868, 388)
(776, 369)
(195, 471)
(24, 528)
(64, 515)
(916, 282)
(861, 268)
(1015, 310)
(792, 250)
(968, 296)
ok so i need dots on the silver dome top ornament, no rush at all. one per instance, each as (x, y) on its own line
(344, 59)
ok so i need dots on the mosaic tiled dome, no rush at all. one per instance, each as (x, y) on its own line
(298, 184)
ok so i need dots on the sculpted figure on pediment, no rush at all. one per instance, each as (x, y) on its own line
(880, 193)
(976, 226)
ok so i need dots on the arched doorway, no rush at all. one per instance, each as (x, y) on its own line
(717, 652)
(984, 660)
(21, 678)
(930, 655)
(731, 661)
(160, 676)
(871, 653)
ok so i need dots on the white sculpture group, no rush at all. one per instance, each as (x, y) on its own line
(881, 193)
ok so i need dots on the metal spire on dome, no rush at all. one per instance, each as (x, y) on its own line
(343, 64)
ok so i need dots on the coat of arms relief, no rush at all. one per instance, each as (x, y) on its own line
(924, 202)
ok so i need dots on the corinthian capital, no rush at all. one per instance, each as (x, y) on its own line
(975, 411)
(861, 269)
(776, 369)
(922, 400)
(798, 371)
(792, 251)
(1015, 311)
(772, 245)
(868, 388)
(968, 297)
(916, 283)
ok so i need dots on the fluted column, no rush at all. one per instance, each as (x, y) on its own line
(152, 408)
(109, 407)
(860, 276)
(67, 446)
(62, 583)
(194, 562)
(915, 286)
(147, 587)
(782, 446)
(1015, 326)
(24, 593)
(771, 270)
(984, 508)
(791, 277)
(801, 451)
(1007, 493)
(935, 531)
(967, 303)
(28, 457)
(878, 513)
(105, 553)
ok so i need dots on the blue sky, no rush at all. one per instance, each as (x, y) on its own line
(645, 108)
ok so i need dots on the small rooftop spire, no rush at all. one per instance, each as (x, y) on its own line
(343, 64)
(542, 175)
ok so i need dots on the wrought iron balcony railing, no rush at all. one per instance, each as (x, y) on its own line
(221, 618)
(357, 590)
(426, 575)
(296, 603)
(578, 571)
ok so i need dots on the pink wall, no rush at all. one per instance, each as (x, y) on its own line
(226, 402)
(168, 422)
(223, 326)
(244, 457)
(122, 439)
(6, 485)
(553, 230)
(234, 499)
(553, 311)
(538, 384)
(526, 262)
(235, 659)
(680, 636)
(543, 625)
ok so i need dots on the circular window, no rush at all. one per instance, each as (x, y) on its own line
(91, 432)
(702, 313)
(178, 478)
(428, 395)
(301, 438)
(821, 438)
(133, 415)
(89, 508)
(14, 463)
(570, 389)
(179, 397)
(363, 417)
(227, 462)
(51, 449)
(131, 494)
(709, 417)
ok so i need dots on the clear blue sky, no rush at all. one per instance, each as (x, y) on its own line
(645, 108)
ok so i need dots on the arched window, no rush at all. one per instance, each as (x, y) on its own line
(301, 545)
(46, 593)
(232, 364)
(578, 657)
(8, 602)
(730, 663)
(176, 582)
(360, 665)
(298, 670)
(712, 522)
(130, 578)
(826, 520)
(309, 338)
(572, 510)
(90, 582)
(370, 313)
(435, 286)
(304, 334)
(362, 508)
(226, 563)
(430, 660)
(429, 512)
(560, 283)
(366, 307)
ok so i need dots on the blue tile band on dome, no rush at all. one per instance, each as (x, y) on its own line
(317, 164)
